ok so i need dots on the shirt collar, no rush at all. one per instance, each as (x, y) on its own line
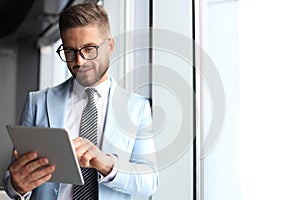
(102, 88)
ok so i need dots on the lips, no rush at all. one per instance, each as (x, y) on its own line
(82, 69)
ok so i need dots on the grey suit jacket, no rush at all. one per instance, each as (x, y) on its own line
(127, 134)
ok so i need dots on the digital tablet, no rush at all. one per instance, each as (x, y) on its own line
(53, 143)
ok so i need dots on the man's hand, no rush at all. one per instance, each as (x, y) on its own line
(28, 172)
(90, 156)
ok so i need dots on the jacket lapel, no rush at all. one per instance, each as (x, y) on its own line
(109, 125)
(57, 99)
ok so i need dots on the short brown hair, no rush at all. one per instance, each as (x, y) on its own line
(84, 14)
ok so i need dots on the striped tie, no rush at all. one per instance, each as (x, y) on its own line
(88, 130)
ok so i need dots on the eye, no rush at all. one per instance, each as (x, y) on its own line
(68, 51)
(88, 49)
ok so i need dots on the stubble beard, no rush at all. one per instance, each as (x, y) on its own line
(89, 81)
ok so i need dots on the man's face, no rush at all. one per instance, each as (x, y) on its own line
(88, 73)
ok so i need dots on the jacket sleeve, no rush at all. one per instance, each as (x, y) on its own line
(27, 118)
(137, 174)
(24, 120)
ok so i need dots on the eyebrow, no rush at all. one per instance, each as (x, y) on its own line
(85, 45)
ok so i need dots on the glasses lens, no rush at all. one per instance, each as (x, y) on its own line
(89, 52)
(67, 55)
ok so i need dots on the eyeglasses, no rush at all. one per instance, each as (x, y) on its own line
(87, 52)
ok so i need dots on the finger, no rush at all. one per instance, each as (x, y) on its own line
(22, 161)
(16, 155)
(40, 181)
(84, 152)
(77, 142)
(86, 159)
(23, 183)
(77, 139)
(85, 145)
(39, 174)
(34, 184)
(82, 143)
(30, 167)
(35, 165)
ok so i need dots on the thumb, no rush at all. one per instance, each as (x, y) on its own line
(16, 155)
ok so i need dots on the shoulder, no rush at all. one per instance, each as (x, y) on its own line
(124, 102)
(119, 94)
(55, 89)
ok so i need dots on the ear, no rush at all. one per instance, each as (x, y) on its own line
(111, 46)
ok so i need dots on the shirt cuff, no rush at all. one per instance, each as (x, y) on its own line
(112, 174)
(13, 193)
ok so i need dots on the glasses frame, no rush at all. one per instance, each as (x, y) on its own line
(61, 48)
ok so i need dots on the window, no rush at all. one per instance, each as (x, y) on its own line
(268, 135)
(52, 70)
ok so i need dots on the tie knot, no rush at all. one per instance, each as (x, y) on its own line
(90, 92)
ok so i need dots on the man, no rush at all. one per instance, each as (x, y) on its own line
(121, 153)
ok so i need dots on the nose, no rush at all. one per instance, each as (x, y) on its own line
(79, 60)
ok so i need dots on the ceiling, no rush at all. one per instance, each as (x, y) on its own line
(12, 15)
(33, 21)
(28, 19)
